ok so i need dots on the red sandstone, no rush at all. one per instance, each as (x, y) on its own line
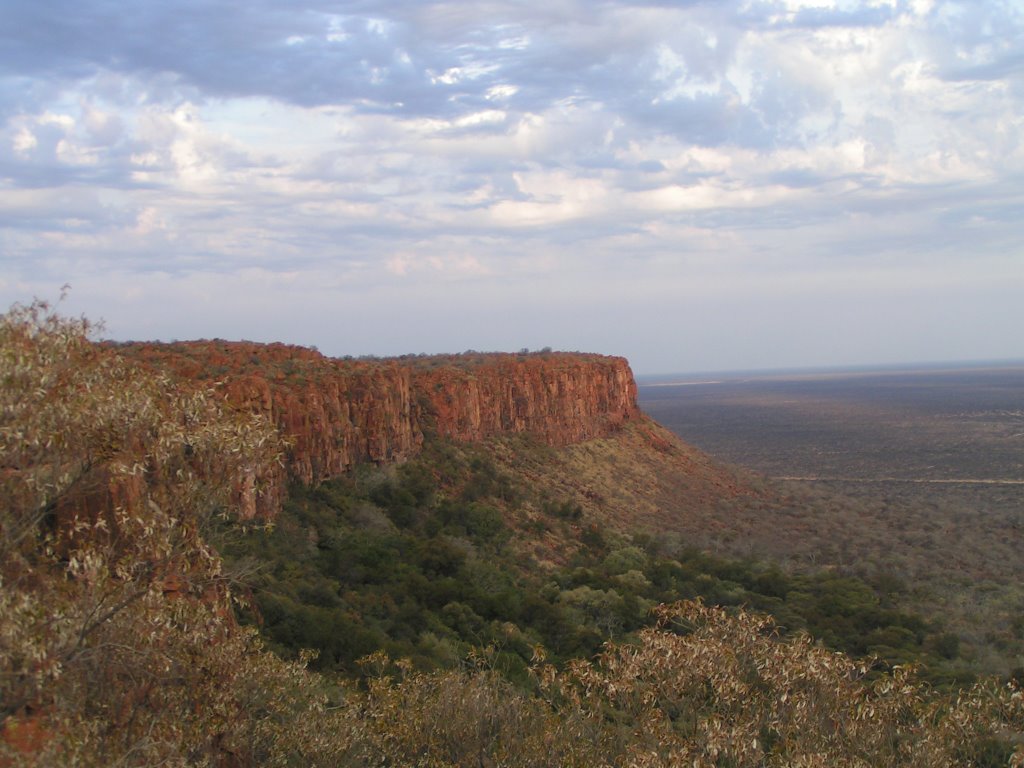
(339, 413)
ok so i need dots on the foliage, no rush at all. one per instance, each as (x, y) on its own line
(117, 645)
(713, 688)
(424, 560)
(703, 688)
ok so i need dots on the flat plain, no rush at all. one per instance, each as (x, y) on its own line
(912, 474)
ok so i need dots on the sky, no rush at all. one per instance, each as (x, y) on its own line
(693, 185)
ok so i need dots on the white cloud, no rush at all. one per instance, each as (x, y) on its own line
(406, 157)
(24, 140)
(499, 92)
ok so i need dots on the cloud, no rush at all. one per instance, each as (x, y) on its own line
(564, 157)
(816, 16)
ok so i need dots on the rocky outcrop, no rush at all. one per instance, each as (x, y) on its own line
(340, 419)
(561, 399)
(337, 413)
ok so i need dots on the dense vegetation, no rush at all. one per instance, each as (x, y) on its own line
(419, 561)
(118, 645)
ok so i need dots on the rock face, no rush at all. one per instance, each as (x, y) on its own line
(340, 413)
(559, 398)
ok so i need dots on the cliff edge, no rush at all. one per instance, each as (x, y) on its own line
(338, 413)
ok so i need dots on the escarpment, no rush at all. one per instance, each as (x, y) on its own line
(338, 413)
(561, 399)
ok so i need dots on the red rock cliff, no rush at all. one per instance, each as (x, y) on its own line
(339, 413)
(559, 398)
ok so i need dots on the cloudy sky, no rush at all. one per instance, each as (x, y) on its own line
(694, 185)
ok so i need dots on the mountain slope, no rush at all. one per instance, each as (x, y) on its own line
(118, 644)
(339, 413)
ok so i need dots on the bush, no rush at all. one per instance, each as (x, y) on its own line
(116, 644)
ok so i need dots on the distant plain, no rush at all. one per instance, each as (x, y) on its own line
(914, 474)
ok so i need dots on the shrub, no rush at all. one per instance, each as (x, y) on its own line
(116, 644)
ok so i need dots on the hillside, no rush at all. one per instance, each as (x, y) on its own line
(567, 425)
(524, 467)
(336, 414)
(479, 560)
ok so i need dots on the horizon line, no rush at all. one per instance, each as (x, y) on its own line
(712, 376)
